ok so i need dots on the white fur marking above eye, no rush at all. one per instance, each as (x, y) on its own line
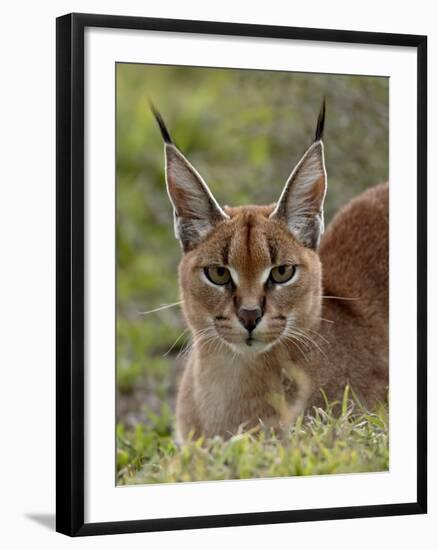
(265, 275)
(234, 274)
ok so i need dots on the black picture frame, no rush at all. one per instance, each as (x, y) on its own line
(70, 272)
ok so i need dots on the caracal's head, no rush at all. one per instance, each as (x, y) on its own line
(249, 275)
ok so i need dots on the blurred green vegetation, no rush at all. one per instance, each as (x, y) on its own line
(244, 130)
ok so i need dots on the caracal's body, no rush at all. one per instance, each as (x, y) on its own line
(275, 313)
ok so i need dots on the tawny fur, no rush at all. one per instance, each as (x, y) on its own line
(222, 390)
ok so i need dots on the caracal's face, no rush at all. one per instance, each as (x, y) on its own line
(249, 276)
(249, 285)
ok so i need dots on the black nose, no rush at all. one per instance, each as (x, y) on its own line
(249, 317)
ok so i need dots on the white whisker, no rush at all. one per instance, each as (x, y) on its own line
(300, 339)
(294, 342)
(318, 334)
(311, 340)
(196, 337)
(160, 308)
(204, 341)
(176, 341)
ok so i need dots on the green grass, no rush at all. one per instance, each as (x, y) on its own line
(341, 438)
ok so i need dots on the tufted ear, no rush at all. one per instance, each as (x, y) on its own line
(196, 211)
(301, 203)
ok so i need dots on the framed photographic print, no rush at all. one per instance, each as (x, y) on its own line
(241, 274)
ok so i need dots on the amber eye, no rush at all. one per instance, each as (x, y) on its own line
(282, 273)
(217, 275)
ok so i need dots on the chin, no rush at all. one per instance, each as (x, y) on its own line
(251, 347)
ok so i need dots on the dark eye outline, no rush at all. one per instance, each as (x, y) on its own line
(207, 274)
(271, 278)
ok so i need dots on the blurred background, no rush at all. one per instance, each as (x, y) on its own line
(243, 130)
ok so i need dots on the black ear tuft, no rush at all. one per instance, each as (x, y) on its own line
(164, 131)
(320, 124)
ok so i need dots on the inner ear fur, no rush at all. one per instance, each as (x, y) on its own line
(301, 202)
(196, 211)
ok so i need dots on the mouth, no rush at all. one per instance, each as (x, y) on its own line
(246, 343)
(249, 341)
(257, 346)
